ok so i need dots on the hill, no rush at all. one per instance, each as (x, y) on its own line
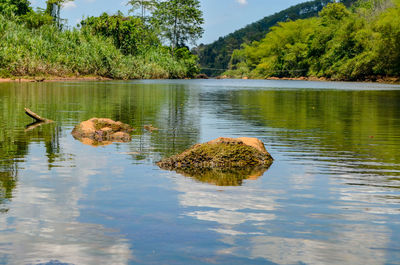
(214, 57)
(348, 44)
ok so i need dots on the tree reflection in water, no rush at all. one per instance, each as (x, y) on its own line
(223, 177)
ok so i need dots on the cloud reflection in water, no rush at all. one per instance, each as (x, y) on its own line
(43, 224)
(251, 221)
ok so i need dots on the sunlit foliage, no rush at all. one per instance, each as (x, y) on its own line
(37, 43)
(215, 57)
(357, 44)
(129, 34)
(14, 7)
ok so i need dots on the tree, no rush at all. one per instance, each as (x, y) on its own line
(53, 9)
(179, 21)
(14, 7)
(387, 44)
(129, 34)
(35, 20)
(142, 5)
(333, 12)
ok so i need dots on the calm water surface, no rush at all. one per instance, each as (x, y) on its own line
(332, 195)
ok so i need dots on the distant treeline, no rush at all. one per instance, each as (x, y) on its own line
(215, 57)
(359, 43)
(37, 43)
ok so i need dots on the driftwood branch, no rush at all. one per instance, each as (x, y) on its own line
(35, 116)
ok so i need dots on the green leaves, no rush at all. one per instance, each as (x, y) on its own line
(340, 44)
(116, 46)
(35, 20)
(129, 34)
(180, 21)
(47, 51)
(11, 8)
(333, 12)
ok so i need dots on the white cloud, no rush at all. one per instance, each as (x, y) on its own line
(69, 5)
(242, 2)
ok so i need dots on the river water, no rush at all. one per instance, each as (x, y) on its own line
(332, 195)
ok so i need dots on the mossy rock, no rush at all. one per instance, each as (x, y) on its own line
(223, 155)
(102, 131)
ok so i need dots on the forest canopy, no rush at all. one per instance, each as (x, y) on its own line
(357, 43)
(214, 57)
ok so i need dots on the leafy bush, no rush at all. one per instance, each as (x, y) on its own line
(11, 8)
(35, 20)
(129, 34)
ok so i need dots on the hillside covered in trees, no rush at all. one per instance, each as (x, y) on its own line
(214, 57)
(357, 43)
(36, 43)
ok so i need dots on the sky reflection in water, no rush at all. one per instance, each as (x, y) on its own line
(331, 197)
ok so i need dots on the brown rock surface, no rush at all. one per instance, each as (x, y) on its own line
(102, 131)
(150, 128)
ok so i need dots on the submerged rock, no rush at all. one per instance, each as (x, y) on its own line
(221, 161)
(150, 128)
(201, 76)
(102, 131)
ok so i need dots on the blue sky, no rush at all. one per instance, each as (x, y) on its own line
(221, 16)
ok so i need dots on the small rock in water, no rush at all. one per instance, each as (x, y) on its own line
(201, 76)
(223, 161)
(150, 128)
(102, 131)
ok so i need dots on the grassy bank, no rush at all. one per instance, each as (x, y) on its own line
(47, 51)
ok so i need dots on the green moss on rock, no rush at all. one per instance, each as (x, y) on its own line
(242, 155)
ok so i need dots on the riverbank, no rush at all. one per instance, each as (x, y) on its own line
(374, 79)
(387, 80)
(52, 79)
(27, 79)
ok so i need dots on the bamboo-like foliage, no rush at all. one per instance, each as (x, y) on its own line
(357, 44)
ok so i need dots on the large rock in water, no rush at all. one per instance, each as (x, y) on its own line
(102, 131)
(223, 161)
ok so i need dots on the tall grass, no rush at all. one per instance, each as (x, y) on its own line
(48, 51)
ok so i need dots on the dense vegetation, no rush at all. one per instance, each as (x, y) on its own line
(214, 57)
(36, 43)
(359, 43)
